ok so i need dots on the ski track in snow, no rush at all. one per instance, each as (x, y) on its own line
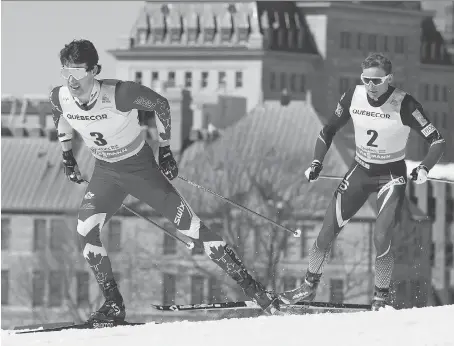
(412, 327)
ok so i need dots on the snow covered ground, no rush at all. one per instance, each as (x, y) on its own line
(412, 327)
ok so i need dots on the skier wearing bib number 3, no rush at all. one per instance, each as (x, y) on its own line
(382, 117)
(104, 113)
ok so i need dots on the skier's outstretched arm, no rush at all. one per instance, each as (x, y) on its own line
(65, 135)
(338, 119)
(413, 115)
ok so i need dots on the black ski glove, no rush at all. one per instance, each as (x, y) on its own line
(71, 168)
(167, 163)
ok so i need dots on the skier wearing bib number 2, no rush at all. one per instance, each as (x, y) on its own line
(104, 113)
(382, 116)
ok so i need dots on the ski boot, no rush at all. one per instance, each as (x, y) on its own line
(113, 309)
(380, 300)
(268, 301)
(306, 292)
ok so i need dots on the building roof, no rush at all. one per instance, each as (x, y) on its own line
(271, 146)
(192, 25)
(33, 179)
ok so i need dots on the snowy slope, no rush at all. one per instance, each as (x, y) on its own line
(412, 327)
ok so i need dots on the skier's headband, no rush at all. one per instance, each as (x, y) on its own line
(375, 80)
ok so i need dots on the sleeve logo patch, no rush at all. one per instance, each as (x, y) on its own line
(419, 117)
(142, 101)
(428, 130)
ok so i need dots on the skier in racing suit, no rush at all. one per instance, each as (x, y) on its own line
(382, 117)
(104, 113)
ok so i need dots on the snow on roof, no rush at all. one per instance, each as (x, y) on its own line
(439, 171)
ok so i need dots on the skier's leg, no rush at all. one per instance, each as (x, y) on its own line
(389, 201)
(149, 185)
(349, 197)
(102, 199)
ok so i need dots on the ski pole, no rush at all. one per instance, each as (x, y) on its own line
(189, 245)
(324, 176)
(296, 233)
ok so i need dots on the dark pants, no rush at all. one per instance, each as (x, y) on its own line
(389, 181)
(140, 177)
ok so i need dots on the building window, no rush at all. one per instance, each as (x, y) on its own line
(426, 88)
(433, 50)
(412, 192)
(5, 287)
(289, 283)
(283, 80)
(197, 289)
(272, 81)
(293, 82)
(359, 41)
(6, 233)
(372, 43)
(39, 235)
(435, 119)
(55, 293)
(448, 254)
(154, 76)
(170, 245)
(449, 200)
(424, 47)
(385, 44)
(345, 38)
(171, 79)
(431, 202)
(82, 288)
(204, 80)
(432, 254)
(334, 251)
(238, 79)
(336, 290)
(188, 79)
(215, 290)
(38, 288)
(399, 44)
(304, 244)
(343, 85)
(302, 83)
(444, 121)
(138, 77)
(435, 92)
(169, 289)
(57, 234)
(445, 94)
(221, 79)
(114, 236)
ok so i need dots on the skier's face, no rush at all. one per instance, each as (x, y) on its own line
(78, 79)
(376, 81)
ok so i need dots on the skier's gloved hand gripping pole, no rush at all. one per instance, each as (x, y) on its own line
(296, 233)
